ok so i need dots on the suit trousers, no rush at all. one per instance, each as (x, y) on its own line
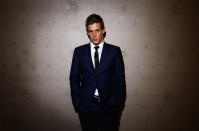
(97, 119)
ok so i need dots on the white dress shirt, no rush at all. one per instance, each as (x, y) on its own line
(92, 56)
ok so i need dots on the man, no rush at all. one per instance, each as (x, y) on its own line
(97, 80)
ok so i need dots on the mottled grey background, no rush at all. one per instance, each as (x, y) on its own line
(159, 40)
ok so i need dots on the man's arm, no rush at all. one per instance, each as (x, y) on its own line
(120, 76)
(75, 74)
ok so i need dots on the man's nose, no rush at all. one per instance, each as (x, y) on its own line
(94, 34)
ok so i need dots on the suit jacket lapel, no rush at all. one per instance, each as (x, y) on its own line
(89, 58)
(103, 60)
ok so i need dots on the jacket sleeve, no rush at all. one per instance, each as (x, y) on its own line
(75, 75)
(120, 77)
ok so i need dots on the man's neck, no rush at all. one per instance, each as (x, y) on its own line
(97, 44)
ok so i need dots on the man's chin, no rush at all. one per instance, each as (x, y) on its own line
(95, 42)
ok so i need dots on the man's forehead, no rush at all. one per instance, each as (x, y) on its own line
(94, 26)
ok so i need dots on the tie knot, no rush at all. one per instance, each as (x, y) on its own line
(96, 47)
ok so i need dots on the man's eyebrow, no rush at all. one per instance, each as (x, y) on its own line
(94, 30)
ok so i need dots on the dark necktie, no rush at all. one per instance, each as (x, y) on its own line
(96, 56)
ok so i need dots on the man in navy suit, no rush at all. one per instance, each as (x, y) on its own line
(97, 80)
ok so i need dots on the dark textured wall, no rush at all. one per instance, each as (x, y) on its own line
(159, 40)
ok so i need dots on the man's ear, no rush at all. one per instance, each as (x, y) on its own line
(88, 36)
(104, 30)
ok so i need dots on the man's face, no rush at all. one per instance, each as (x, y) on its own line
(95, 33)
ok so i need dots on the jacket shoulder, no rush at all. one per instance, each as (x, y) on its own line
(113, 47)
(82, 47)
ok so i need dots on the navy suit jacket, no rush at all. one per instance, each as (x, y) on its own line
(109, 78)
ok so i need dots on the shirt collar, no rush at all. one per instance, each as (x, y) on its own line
(100, 44)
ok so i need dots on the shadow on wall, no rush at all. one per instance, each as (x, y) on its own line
(21, 82)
